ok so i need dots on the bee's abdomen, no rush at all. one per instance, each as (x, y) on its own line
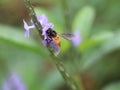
(57, 40)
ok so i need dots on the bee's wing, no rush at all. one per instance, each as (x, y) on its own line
(56, 49)
(67, 36)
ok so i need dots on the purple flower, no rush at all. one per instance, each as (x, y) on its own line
(43, 21)
(44, 42)
(13, 83)
(27, 28)
(77, 39)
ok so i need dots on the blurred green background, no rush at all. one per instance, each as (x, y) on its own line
(94, 64)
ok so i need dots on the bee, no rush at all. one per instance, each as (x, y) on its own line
(55, 40)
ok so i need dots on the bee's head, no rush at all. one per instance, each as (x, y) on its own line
(51, 33)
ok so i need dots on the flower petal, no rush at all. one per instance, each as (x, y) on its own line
(77, 39)
(27, 33)
(14, 82)
(43, 19)
(5, 86)
(27, 28)
(44, 42)
(25, 25)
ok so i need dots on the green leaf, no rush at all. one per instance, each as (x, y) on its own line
(15, 36)
(112, 86)
(99, 51)
(95, 40)
(83, 21)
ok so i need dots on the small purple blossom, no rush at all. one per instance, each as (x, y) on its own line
(13, 83)
(77, 39)
(43, 21)
(44, 42)
(27, 28)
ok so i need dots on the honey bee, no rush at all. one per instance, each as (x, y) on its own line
(54, 38)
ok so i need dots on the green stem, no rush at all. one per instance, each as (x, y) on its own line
(68, 79)
(66, 76)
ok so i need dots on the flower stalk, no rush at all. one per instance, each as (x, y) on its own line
(68, 79)
(32, 14)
